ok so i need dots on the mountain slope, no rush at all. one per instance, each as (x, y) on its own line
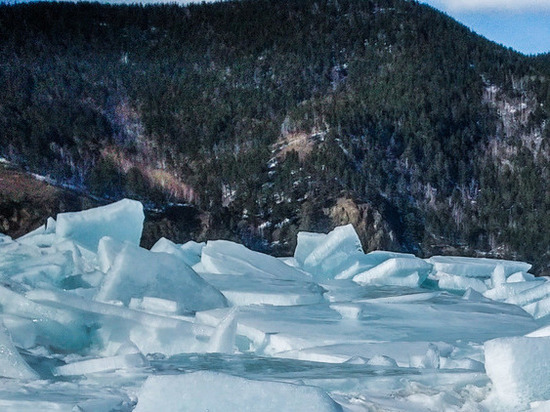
(288, 115)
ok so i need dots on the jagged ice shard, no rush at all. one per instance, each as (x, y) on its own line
(90, 321)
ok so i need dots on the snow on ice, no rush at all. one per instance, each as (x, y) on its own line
(91, 321)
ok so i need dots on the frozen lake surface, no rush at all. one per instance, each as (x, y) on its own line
(92, 322)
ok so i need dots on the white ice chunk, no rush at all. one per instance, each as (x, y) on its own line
(474, 296)
(22, 331)
(12, 365)
(224, 257)
(342, 239)
(356, 360)
(56, 328)
(123, 221)
(505, 291)
(464, 363)
(290, 261)
(458, 283)
(218, 392)
(531, 295)
(187, 253)
(112, 363)
(539, 406)
(328, 255)
(539, 309)
(154, 305)
(517, 369)
(306, 243)
(223, 338)
(260, 289)
(431, 359)
(137, 272)
(42, 236)
(540, 333)
(382, 360)
(402, 271)
(348, 310)
(358, 262)
(193, 251)
(475, 267)
(151, 332)
(520, 277)
(498, 277)
(107, 250)
(5, 240)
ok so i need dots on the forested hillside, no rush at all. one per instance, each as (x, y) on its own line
(277, 116)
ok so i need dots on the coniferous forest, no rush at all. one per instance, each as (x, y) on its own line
(270, 117)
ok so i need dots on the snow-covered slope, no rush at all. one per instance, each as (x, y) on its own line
(93, 322)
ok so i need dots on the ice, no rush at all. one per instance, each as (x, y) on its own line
(402, 271)
(431, 359)
(45, 270)
(137, 272)
(306, 243)
(223, 338)
(382, 360)
(290, 331)
(474, 296)
(498, 277)
(520, 277)
(337, 255)
(107, 250)
(154, 305)
(193, 251)
(86, 326)
(459, 283)
(475, 267)
(123, 221)
(540, 406)
(42, 236)
(531, 295)
(190, 253)
(112, 363)
(515, 366)
(342, 240)
(151, 333)
(348, 310)
(358, 262)
(539, 309)
(325, 256)
(540, 333)
(22, 331)
(224, 257)
(5, 239)
(261, 289)
(55, 328)
(12, 364)
(505, 291)
(211, 391)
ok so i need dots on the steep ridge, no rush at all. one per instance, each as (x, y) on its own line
(269, 116)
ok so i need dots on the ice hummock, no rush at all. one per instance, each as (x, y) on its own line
(476, 267)
(12, 365)
(225, 257)
(94, 322)
(219, 392)
(139, 273)
(122, 221)
(518, 370)
(190, 252)
(339, 255)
